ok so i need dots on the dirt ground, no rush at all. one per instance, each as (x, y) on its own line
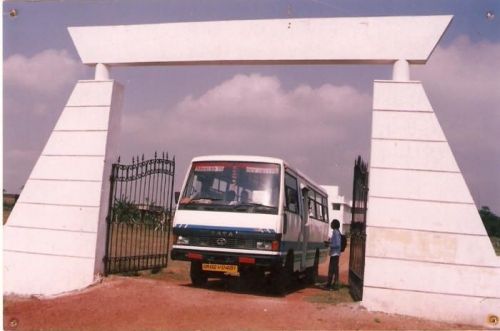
(167, 301)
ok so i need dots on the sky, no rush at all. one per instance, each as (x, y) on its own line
(317, 117)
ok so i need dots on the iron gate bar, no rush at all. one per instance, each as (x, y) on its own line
(139, 215)
(358, 229)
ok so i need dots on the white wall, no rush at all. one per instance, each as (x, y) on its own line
(344, 214)
(427, 254)
(54, 238)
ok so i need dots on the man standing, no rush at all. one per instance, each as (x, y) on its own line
(333, 268)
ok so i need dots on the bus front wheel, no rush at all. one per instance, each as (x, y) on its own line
(282, 276)
(198, 276)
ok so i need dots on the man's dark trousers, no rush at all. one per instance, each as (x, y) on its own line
(333, 271)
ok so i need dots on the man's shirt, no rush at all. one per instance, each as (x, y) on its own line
(335, 243)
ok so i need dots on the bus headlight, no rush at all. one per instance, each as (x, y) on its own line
(264, 245)
(268, 245)
(182, 240)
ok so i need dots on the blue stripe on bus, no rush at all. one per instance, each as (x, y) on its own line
(285, 246)
(222, 228)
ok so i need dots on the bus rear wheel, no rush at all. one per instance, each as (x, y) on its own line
(312, 272)
(198, 276)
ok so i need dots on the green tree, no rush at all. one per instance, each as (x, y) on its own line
(125, 211)
(491, 221)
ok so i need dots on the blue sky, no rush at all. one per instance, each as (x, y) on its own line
(462, 80)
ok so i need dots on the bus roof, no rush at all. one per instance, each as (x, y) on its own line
(253, 158)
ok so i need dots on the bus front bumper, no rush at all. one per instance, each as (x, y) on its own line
(227, 258)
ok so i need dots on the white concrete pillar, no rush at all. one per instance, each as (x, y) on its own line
(401, 71)
(423, 229)
(101, 72)
(54, 238)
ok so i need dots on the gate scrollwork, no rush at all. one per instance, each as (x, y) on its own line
(139, 214)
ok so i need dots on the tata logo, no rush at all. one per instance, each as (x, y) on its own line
(222, 233)
(221, 241)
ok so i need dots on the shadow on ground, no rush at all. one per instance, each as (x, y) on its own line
(260, 286)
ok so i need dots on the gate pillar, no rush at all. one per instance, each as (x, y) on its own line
(55, 236)
(427, 253)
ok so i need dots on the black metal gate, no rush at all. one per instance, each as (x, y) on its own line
(139, 215)
(358, 229)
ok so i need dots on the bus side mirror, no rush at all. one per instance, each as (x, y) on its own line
(176, 197)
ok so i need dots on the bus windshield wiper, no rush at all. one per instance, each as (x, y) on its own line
(199, 199)
(246, 205)
(206, 198)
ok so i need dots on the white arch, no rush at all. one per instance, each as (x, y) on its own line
(363, 40)
(430, 236)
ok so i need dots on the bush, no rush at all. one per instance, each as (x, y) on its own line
(491, 221)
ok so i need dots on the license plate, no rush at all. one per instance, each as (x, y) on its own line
(220, 267)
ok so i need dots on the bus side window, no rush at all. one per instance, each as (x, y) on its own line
(325, 209)
(312, 204)
(319, 207)
(291, 194)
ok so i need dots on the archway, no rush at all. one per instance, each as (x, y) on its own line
(416, 185)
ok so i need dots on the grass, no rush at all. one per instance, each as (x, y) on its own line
(176, 270)
(136, 246)
(332, 297)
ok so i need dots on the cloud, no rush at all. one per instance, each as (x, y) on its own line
(319, 129)
(313, 128)
(462, 81)
(45, 73)
(256, 106)
(466, 69)
(35, 90)
(322, 129)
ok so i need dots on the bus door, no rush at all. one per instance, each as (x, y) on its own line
(293, 225)
(304, 224)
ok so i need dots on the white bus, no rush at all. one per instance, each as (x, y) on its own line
(247, 216)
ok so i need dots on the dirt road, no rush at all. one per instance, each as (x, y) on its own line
(167, 301)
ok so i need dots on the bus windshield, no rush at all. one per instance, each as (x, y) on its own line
(232, 186)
